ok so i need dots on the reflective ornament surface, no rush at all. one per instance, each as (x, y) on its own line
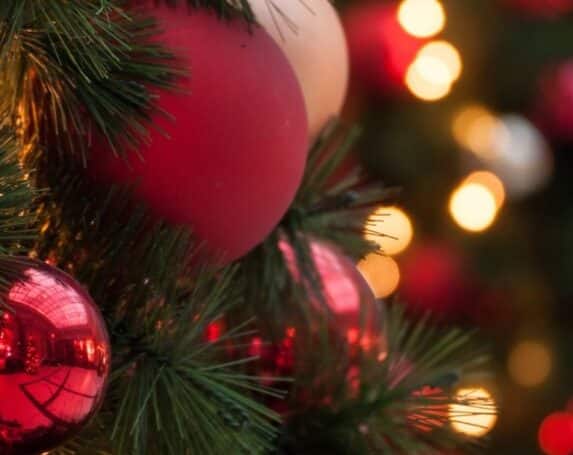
(54, 360)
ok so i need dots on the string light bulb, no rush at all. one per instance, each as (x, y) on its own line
(390, 228)
(381, 273)
(475, 414)
(422, 18)
(473, 207)
(492, 182)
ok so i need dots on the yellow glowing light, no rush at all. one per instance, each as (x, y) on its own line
(382, 274)
(421, 80)
(436, 67)
(473, 207)
(475, 128)
(492, 182)
(475, 412)
(447, 55)
(391, 229)
(422, 18)
(530, 363)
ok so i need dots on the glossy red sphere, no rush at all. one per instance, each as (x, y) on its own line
(54, 360)
(556, 434)
(230, 160)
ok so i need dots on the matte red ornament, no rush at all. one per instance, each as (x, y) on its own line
(541, 7)
(556, 434)
(554, 107)
(54, 360)
(233, 155)
(380, 49)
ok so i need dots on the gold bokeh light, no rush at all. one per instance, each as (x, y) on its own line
(391, 229)
(473, 207)
(422, 18)
(492, 182)
(475, 129)
(475, 414)
(382, 274)
(530, 363)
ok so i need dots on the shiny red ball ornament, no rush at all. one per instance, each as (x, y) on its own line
(54, 360)
(554, 107)
(541, 7)
(229, 161)
(380, 49)
(556, 434)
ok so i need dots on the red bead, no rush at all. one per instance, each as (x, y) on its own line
(54, 360)
(234, 151)
(556, 434)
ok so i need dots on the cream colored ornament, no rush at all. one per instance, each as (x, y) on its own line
(312, 37)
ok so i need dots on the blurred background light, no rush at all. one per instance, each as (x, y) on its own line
(422, 18)
(382, 274)
(476, 415)
(530, 363)
(492, 182)
(391, 229)
(473, 207)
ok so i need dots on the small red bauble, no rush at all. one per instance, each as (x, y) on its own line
(54, 360)
(554, 108)
(433, 280)
(380, 49)
(541, 7)
(556, 434)
(230, 160)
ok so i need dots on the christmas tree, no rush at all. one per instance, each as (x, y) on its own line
(197, 260)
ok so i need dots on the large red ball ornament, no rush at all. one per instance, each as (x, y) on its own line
(380, 49)
(230, 160)
(556, 434)
(554, 107)
(54, 360)
(312, 37)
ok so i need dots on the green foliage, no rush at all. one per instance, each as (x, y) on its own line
(402, 404)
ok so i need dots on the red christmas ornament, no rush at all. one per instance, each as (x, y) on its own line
(54, 360)
(380, 49)
(541, 7)
(556, 434)
(554, 108)
(433, 280)
(234, 152)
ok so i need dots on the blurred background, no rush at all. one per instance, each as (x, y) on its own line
(467, 107)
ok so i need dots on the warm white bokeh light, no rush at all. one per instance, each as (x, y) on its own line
(475, 129)
(391, 229)
(436, 67)
(382, 274)
(473, 207)
(422, 18)
(492, 182)
(476, 415)
(530, 363)
(447, 55)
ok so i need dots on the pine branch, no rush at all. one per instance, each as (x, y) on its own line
(402, 407)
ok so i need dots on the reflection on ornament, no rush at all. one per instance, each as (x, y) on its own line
(556, 434)
(436, 67)
(491, 182)
(391, 229)
(382, 274)
(422, 18)
(475, 414)
(530, 363)
(54, 360)
(473, 207)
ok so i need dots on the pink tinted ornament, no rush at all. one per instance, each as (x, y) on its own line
(380, 49)
(556, 434)
(554, 107)
(233, 153)
(312, 38)
(54, 360)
